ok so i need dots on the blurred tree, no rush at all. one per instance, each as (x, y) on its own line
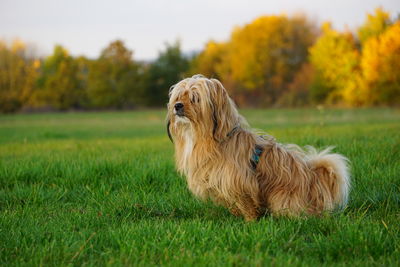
(298, 90)
(208, 61)
(170, 66)
(114, 80)
(335, 59)
(272, 60)
(261, 58)
(18, 71)
(59, 85)
(374, 25)
(381, 68)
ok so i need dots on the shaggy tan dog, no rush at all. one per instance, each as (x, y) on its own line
(249, 174)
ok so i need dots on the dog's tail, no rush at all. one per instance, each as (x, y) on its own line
(332, 174)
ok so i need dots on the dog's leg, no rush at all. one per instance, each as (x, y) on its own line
(235, 211)
(248, 207)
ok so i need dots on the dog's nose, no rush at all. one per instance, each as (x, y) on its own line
(178, 106)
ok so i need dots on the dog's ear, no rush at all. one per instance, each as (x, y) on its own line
(168, 130)
(223, 111)
(215, 121)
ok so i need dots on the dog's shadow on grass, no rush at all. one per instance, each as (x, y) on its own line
(142, 212)
(139, 211)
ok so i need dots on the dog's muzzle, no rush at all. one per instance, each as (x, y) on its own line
(179, 109)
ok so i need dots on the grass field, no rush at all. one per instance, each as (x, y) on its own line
(101, 189)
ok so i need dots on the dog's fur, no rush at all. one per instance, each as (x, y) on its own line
(213, 148)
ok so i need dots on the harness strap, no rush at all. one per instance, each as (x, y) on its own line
(255, 158)
(258, 150)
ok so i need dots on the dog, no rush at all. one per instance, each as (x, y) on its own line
(251, 175)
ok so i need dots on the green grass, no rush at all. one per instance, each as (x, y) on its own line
(101, 189)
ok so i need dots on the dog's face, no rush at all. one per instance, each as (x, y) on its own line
(204, 105)
(184, 103)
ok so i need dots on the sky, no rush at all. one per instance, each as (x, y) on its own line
(85, 27)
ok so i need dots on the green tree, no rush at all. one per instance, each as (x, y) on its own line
(114, 80)
(59, 85)
(170, 66)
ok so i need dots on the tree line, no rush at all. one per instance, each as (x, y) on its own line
(272, 61)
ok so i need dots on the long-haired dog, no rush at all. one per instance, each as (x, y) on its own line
(249, 174)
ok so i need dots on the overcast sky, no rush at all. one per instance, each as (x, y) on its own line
(85, 27)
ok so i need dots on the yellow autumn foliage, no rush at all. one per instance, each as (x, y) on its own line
(374, 25)
(17, 75)
(261, 58)
(380, 66)
(335, 58)
(209, 61)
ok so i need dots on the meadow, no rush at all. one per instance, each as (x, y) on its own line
(99, 189)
